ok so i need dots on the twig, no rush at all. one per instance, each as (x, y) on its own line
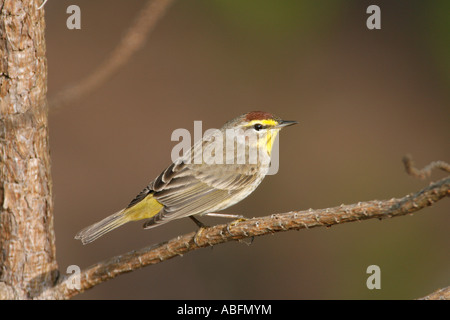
(132, 41)
(426, 171)
(211, 236)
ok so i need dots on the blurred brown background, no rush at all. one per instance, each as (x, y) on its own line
(363, 99)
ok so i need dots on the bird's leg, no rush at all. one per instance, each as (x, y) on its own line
(198, 222)
(225, 215)
(238, 217)
(200, 225)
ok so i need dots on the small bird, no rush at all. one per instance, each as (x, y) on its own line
(219, 170)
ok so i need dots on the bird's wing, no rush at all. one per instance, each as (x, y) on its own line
(188, 189)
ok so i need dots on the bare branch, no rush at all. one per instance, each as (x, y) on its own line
(441, 294)
(132, 41)
(294, 220)
(426, 171)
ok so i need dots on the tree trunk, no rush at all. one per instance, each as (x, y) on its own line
(27, 241)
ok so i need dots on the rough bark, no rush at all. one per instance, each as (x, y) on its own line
(27, 241)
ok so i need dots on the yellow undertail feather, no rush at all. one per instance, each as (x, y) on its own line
(144, 209)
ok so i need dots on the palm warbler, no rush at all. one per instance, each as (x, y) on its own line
(220, 170)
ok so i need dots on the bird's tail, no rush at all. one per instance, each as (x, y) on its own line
(98, 229)
(145, 208)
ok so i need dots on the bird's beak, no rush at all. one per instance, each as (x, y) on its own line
(285, 123)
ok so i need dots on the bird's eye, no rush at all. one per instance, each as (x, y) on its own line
(258, 126)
